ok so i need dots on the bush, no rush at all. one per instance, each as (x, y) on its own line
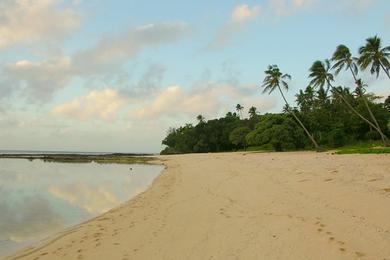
(337, 137)
(237, 136)
(372, 135)
(168, 150)
(280, 131)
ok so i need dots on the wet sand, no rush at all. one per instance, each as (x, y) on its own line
(244, 206)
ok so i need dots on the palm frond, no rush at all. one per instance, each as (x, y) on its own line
(273, 79)
(285, 85)
(374, 56)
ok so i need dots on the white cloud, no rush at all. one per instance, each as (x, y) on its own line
(242, 13)
(240, 16)
(147, 82)
(36, 80)
(39, 80)
(28, 21)
(101, 104)
(212, 100)
(113, 51)
(174, 101)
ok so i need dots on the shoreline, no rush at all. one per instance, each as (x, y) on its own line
(230, 205)
(117, 158)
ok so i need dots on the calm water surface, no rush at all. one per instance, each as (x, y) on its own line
(38, 199)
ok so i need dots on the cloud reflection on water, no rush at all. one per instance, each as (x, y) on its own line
(26, 217)
(93, 199)
(38, 199)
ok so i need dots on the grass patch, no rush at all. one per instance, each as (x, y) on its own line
(260, 148)
(356, 148)
(363, 150)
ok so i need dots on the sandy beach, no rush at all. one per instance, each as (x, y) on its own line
(300, 205)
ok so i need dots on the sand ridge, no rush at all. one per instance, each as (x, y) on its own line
(300, 205)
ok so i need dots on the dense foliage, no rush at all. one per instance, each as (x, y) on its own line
(325, 115)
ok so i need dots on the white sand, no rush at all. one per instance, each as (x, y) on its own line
(237, 206)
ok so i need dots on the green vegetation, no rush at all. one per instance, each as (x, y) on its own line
(363, 150)
(327, 115)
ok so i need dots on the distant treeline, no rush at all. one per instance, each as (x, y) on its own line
(326, 115)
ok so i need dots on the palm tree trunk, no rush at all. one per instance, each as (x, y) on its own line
(353, 74)
(299, 121)
(353, 109)
(384, 138)
(385, 70)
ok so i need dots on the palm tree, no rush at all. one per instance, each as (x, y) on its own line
(252, 112)
(343, 58)
(200, 118)
(373, 54)
(360, 91)
(321, 75)
(273, 79)
(319, 72)
(239, 109)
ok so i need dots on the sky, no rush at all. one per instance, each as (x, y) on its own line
(113, 76)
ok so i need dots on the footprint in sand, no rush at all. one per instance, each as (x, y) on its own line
(331, 238)
(376, 179)
(360, 254)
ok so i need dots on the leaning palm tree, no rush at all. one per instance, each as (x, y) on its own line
(373, 54)
(274, 79)
(321, 76)
(344, 59)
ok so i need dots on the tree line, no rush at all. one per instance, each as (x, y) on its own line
(326, 114)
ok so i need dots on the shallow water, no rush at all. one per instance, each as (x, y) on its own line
(38, 199)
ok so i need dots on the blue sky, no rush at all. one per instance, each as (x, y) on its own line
(114, 76)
